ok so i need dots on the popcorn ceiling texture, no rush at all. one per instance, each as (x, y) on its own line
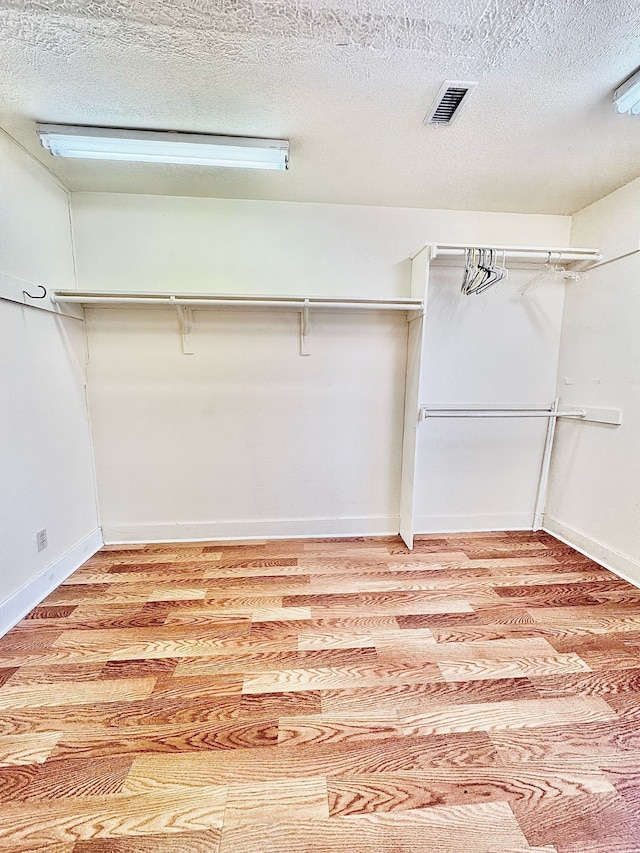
(349, 82)
(193, 27)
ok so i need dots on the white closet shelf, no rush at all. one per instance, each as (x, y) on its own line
(213, 300)
(184, 303)
(516, 256)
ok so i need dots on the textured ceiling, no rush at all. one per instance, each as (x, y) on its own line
(349, 83)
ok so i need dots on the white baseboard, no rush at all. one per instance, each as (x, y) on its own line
(121, 534)
(16, 607)
(473, 523)
(620, 564)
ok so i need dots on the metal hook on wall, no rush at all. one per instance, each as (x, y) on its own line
(41, 296)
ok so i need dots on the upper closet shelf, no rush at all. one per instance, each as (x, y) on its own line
(212, 300)
(185, 302)
(454, 254)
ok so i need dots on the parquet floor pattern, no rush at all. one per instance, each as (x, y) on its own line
(481, 693)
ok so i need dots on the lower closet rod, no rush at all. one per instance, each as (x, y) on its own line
(551, 414)
(500, 413)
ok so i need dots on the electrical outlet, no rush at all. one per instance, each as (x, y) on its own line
(41, 539)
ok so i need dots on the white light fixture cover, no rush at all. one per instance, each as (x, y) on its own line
(151, 146)
(627, 97)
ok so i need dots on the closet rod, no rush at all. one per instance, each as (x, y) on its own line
(522, 253)
(500, 413)
(552, 414)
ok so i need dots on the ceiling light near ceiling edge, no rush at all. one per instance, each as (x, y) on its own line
(150, 146)
(627, 96)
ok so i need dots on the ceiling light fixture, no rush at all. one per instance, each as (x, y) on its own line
(627, 96)
(151, 146)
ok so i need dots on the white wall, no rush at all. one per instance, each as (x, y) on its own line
(46, 468)
(594, 498)
(245, 437)
(124, 242)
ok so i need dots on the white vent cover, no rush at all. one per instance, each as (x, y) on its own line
(448, 102)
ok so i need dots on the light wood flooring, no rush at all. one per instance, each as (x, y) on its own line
(481, 693)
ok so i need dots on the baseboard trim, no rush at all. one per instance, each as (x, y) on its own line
(121, 534)
(473, 523)
(16, 607)
(618, 563)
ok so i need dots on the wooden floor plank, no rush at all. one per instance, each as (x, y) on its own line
(75, 692)
(15, 779)
(31, 676)
(154, 712)
(69, 778)
(246, 661)
(6, 673)
(276, 801)
(27, 748)
(111, 816)
(587, 743)
(328, 677)
(382, 792)
(95, 743)
(602, 683)
(414, 698)
(601, 817)
(445, 719)
(150, 772)
(207, 841)
(525, 667)
(413, 648)
(451, 829)
(479, 693)
(344, 639)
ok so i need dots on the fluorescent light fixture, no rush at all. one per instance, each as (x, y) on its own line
(627, 97)
(151, 146)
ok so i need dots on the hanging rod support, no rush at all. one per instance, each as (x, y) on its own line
(304, 329)
(185, 318)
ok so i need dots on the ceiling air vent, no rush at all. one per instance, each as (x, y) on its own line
(448, 102)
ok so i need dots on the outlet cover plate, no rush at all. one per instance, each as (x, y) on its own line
(41, 539)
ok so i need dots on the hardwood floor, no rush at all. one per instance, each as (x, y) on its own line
(481, 693)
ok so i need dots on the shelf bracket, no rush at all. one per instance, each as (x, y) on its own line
(304, 329)
(613, 417)
(185, 318)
